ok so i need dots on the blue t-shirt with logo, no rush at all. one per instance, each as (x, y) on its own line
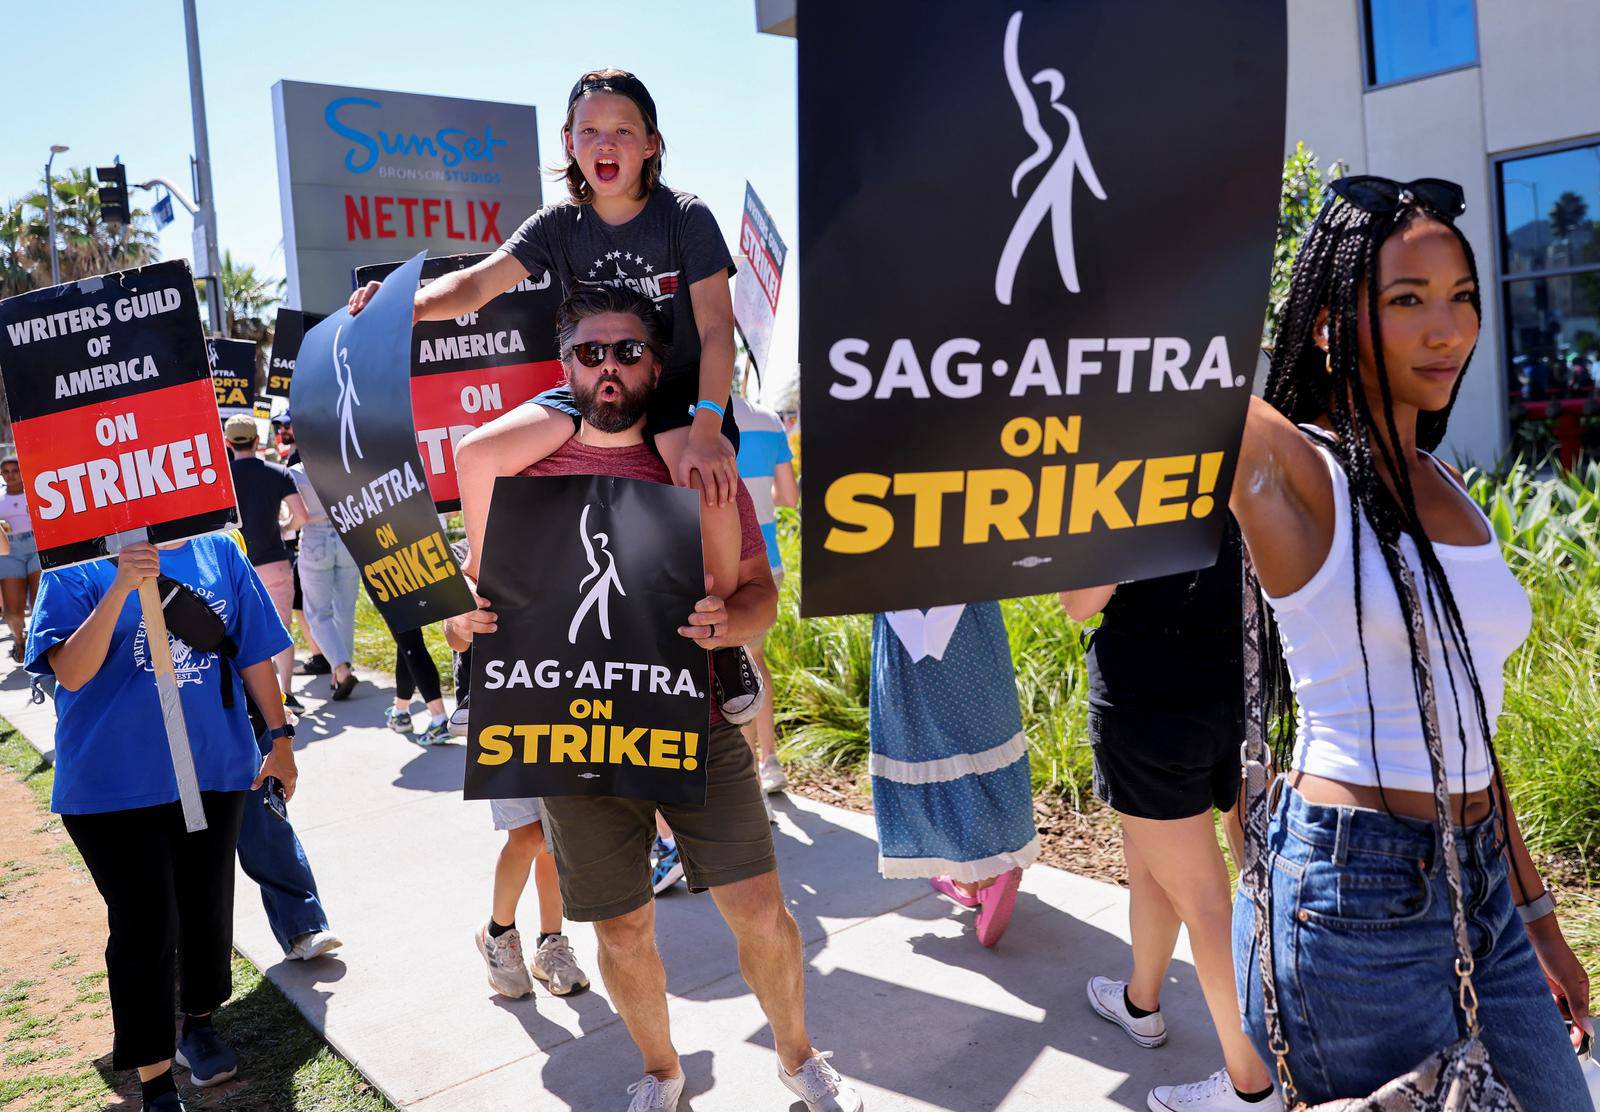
(111, 746)
(763, 444)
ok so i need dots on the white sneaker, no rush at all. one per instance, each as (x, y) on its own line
(772, 775)
(651, 1094)
(820, 1086)
(555, 965)
(1215, 1094)
(507, 974)
(312, 944)
(458, 721)
(1109, 998)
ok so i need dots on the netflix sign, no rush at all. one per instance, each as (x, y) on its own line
(366, 175)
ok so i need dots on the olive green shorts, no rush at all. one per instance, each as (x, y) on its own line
(602, 842)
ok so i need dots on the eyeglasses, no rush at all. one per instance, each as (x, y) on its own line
(592, 353)
(1381, 196)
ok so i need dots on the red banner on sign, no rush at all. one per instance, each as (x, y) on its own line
(112, 467)
(447, 406)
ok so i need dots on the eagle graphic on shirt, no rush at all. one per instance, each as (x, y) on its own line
(628, 271)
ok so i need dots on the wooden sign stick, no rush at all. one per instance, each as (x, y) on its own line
(155, 628)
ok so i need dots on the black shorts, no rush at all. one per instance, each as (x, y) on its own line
(1166, 763)
(669, 408)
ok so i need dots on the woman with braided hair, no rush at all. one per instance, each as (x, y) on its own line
(1388, 588)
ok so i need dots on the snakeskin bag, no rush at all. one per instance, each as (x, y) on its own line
(1457, 1078)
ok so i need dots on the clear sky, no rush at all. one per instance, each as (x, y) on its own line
(113, 80)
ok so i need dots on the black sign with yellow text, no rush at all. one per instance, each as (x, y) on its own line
(1032, 308)
(350, 398)
(586, 687)
(287, 334)
(233, 374)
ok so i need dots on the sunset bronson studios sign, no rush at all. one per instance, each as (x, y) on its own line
(366, 175)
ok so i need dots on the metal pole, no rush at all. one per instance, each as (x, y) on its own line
(202, 151)
(50, 215)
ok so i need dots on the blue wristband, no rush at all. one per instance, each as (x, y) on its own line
(712, 406)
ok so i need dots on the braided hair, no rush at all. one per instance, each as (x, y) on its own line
(1337, 270)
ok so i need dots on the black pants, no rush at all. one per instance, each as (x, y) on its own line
(463, 674)
(414, 669)
(169, 904)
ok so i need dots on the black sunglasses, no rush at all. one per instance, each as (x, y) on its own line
(1381, 196)
(592, 353)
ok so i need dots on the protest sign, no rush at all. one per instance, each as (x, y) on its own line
(114, 414)
(1032, 308)
(467, 371)
(586, 687)
(755, 293)
(233, 374)
(287, 333)
(355, 437)
(119, 439)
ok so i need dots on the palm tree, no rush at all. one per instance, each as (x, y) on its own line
(88, 245)
(15, 277)
(246, 297)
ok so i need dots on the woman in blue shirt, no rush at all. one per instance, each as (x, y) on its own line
(168, 893)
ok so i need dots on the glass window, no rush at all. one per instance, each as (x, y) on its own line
(1548, 208)
(1554, 331)
(1412, 38)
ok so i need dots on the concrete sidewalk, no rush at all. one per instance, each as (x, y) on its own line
(917, 1013)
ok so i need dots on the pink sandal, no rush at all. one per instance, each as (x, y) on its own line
(995, 904)
(947, 887)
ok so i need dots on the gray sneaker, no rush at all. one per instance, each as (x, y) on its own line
(508, 974)
(820, 1086)
(555, 965)
(651, 1094)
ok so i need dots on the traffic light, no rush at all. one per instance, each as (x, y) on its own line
(113, 193)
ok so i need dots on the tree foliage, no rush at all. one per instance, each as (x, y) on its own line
(1304, 184)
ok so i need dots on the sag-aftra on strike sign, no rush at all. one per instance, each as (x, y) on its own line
(114, 413)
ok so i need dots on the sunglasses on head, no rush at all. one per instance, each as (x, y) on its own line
(1381, 196)
(592, 353)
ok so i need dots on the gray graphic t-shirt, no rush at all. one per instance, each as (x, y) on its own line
(673, 243)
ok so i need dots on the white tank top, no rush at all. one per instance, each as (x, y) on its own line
(14, 510)
(1317, 624)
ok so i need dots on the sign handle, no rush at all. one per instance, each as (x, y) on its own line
(155, 626)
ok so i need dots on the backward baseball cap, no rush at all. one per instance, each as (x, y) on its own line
(241, 429)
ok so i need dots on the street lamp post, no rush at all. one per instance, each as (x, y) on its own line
(50, 212)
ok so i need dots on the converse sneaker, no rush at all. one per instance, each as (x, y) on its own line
(1215, 1094)
(738, 683)
(507, 974)
(1109, 998)
(668, 868)
(398, 720)
(820, 1086)
(555, 965)
(772, 777)
(651, 1094)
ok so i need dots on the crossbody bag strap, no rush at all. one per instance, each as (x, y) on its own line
(1257, 860)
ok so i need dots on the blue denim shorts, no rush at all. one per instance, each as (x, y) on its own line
(23, 560)
(1364, 963)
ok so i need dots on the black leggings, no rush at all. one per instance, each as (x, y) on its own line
(414, 669)
(169, 905)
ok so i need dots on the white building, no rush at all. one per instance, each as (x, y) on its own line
(1502, 96)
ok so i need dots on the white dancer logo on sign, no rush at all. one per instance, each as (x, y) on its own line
(599, 596)
(347, 401)
(1052, 197)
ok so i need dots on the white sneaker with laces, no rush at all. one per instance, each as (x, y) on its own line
(507, 974)
(1215, 1094)
(458, 721)
(555, 965)
(820, 1086)
(1109, 999)
(312, 944)
(773, 778)
(651, 1094)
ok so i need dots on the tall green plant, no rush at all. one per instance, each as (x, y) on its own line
(1298, 204)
